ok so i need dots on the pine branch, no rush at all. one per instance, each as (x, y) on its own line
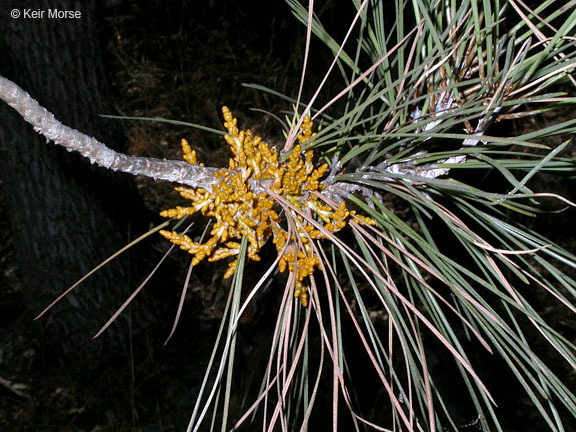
(180, 172)
(44, 123)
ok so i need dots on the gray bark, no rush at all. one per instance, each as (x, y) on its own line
(97, 153)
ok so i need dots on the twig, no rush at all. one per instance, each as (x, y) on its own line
(44, 123)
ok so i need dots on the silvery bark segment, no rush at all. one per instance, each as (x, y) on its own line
(44, 123)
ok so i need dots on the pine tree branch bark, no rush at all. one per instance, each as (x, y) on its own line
(46, 124)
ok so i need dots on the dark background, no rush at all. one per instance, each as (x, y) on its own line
(60, 217)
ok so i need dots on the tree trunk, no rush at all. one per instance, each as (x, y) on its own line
(67, 216)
